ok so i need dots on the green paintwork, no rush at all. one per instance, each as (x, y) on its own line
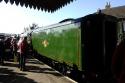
(62, 43)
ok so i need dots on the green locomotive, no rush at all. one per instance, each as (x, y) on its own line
(85, 44)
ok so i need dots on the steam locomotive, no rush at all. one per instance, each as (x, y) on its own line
(81, 48)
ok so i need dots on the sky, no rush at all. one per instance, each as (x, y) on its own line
(13, 19)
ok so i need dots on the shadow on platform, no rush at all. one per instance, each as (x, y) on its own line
(34, 61)
(37, 69)
(8, 76)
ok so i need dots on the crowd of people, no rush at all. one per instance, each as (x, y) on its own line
(14, 48)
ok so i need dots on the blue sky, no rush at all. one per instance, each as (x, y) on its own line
(15, 18)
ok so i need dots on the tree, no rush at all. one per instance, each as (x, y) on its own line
(33, 26)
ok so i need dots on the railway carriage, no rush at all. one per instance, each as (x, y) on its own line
(82, 45)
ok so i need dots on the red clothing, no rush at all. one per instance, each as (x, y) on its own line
(24, 46)
(118, 62)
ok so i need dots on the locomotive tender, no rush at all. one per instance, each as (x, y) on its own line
(85, 44)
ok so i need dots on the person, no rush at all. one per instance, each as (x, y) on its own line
(14, 48)
(8, 54)
(1, 51)
(19, 49)
(23, 46)
(118, 62)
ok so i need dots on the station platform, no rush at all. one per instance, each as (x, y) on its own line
(36, 72)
